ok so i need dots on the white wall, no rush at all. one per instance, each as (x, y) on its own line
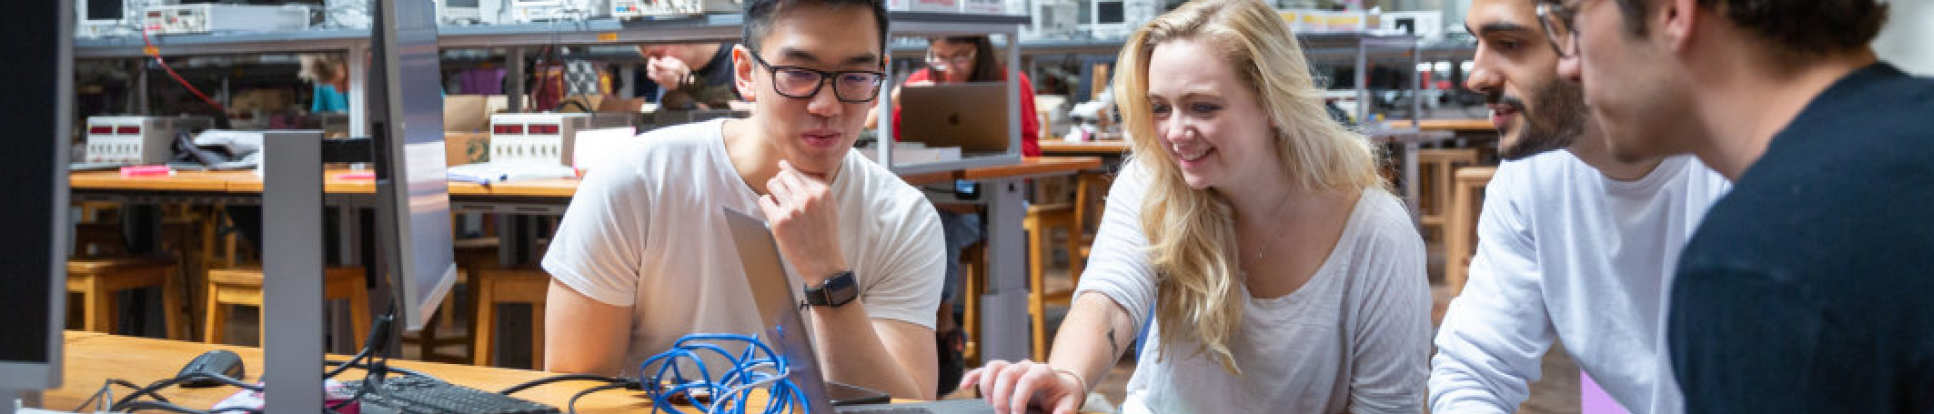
(1908, 39)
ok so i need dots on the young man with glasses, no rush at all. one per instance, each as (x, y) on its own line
(1574, 245)
(643, 255)
(1804, 289)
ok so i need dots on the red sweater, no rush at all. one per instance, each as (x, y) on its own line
(1030, 126)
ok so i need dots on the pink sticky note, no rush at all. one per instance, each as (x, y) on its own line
(145, 171)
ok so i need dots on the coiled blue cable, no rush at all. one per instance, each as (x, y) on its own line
(756, 368)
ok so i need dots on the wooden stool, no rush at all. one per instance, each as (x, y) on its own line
(99, 240)
(1041, 220)
(499, 286)
(472, 254)
(97, 280)
(1460, 233)
(1436, 166)
(243, 286)
(973, 270)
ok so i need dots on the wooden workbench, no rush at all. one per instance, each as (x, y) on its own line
(91, 358)
(1106, 148)
(1456, 125)
(247, 182)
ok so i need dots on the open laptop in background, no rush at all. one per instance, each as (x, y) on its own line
(779, 307)
(972, 116)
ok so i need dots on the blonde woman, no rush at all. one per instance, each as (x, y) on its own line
(1283, 276)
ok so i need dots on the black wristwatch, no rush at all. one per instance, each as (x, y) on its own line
(836, 291)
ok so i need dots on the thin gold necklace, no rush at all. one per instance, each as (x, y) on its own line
(1264, 248)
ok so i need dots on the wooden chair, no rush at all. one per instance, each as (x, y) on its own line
(973, 269)
(1436, 166)
(243, 286)
(497, 286)
(98, 280)
(1041, 220)
(1461, 230)
(472, 255)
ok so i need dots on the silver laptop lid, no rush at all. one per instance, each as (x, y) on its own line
(778, 305)
(972, 115)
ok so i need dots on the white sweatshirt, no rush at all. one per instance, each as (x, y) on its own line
(1566, 253)
(1355, 338)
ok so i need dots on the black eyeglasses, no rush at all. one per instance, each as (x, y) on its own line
(944, 64)
(1557, 21)
(849, 86)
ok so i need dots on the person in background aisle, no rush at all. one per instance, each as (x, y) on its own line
(331, 77)
(701, 71)
(956, 60)
(971, 59)
(644, 256)
(1574, 245)
(1802, 289)
(1283, 274)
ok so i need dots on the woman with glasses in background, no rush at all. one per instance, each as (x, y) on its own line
(971, 59)
(957, 60)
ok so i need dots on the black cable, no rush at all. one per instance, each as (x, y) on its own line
(367, 367)
(110, 383)
(375, 347)
(561, 378)
(156, 405)
(164, 384)
(378, 336)
(571, 407)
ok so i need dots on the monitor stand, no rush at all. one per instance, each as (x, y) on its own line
(292, 263)
(19, 401)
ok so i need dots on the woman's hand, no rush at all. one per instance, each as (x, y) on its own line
(1013, 387)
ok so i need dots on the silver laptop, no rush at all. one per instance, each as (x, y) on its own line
(972, 116)
(779, 306)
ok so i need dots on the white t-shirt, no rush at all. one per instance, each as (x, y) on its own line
(1357, 335)
(1564, 252)
(648, 233)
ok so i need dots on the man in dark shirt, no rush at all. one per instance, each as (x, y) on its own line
(1810, 287)
(701, 72)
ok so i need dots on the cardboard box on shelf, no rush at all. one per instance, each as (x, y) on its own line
(471, 113)
(461, 148)
(464, 113)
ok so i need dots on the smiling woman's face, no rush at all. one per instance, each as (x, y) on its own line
(1208, 118)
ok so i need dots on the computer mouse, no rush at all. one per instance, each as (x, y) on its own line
(217, 362)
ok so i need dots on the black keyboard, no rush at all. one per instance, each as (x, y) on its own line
(423, 395)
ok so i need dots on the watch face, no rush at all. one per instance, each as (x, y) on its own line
(840, 289)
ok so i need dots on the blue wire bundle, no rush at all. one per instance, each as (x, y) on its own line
(757, 367)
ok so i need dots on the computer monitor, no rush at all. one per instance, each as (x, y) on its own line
(406, 122)
(33, 271)
(102, 10)
(1109, 12)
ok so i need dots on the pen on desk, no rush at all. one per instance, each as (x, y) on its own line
(469, 179)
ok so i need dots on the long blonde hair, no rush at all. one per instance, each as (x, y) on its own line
(1191, 233)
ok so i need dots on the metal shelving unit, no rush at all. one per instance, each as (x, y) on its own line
(711, 27)
(1357, 49)
(354, 42)
(320, 40)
